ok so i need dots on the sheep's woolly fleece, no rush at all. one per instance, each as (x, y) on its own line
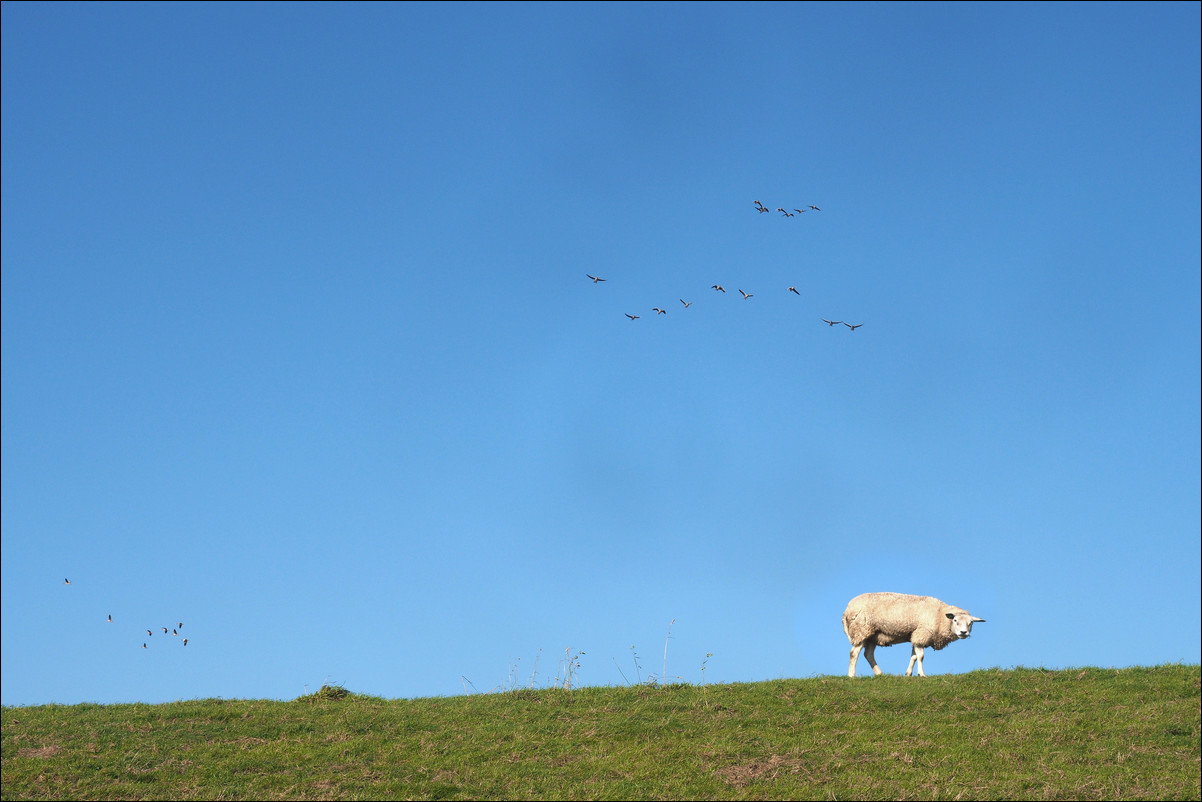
(888, 618)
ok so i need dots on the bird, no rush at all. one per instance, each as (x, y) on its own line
(185, 641)
(175, 632)
(180, 625)
(831, 322)
(747, 295)
(794, 291)
(800, 211)
(719, 288)
(143, 645)
(782, 211)
(149, 633)
(110, 619)
(687, 304)
(815, 208)
(594, 278)
(164, 630)
(853, 328)
(659, 311)
(66, 581)
(762, 209)
(632, 317)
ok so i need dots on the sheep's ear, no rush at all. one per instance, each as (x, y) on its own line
(976, 620)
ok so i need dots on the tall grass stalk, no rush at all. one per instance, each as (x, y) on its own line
(666, 639)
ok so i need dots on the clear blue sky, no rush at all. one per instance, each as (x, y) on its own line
(299, 347)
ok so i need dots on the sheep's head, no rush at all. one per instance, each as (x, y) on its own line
(961, 623)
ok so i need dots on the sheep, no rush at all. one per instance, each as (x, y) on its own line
(883, 619)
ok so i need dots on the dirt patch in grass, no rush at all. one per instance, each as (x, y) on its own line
(41, 751)
(768, 768)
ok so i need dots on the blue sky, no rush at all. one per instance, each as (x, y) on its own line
(299, 347)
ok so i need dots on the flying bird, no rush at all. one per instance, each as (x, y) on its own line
(687, 304)
(143, 645)
(632, 317)
(164, 630)
(782, 211)
(747, 295)
(815, 208)
(853, 328)
(110, 619)
(719, 288)
(185, 641)
(594, 278)
(800, 211)
(180, 625)
(149, 633)
(831, 322)
(794, 291)
(659, 311)
(175, 632)
(66, 581)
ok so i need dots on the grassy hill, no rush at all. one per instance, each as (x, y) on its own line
(1021, 734)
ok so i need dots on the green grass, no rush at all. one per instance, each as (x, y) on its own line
(1019, 734)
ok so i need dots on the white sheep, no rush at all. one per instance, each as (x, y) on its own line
(883, 619)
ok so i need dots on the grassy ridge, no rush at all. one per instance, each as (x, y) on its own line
(1025, 733)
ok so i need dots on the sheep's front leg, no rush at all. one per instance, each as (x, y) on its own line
(915, 659)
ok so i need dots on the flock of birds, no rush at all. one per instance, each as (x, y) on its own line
(762, 209)
(150, 632)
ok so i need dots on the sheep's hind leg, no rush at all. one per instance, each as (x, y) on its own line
(855, 655)
(869, 652)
